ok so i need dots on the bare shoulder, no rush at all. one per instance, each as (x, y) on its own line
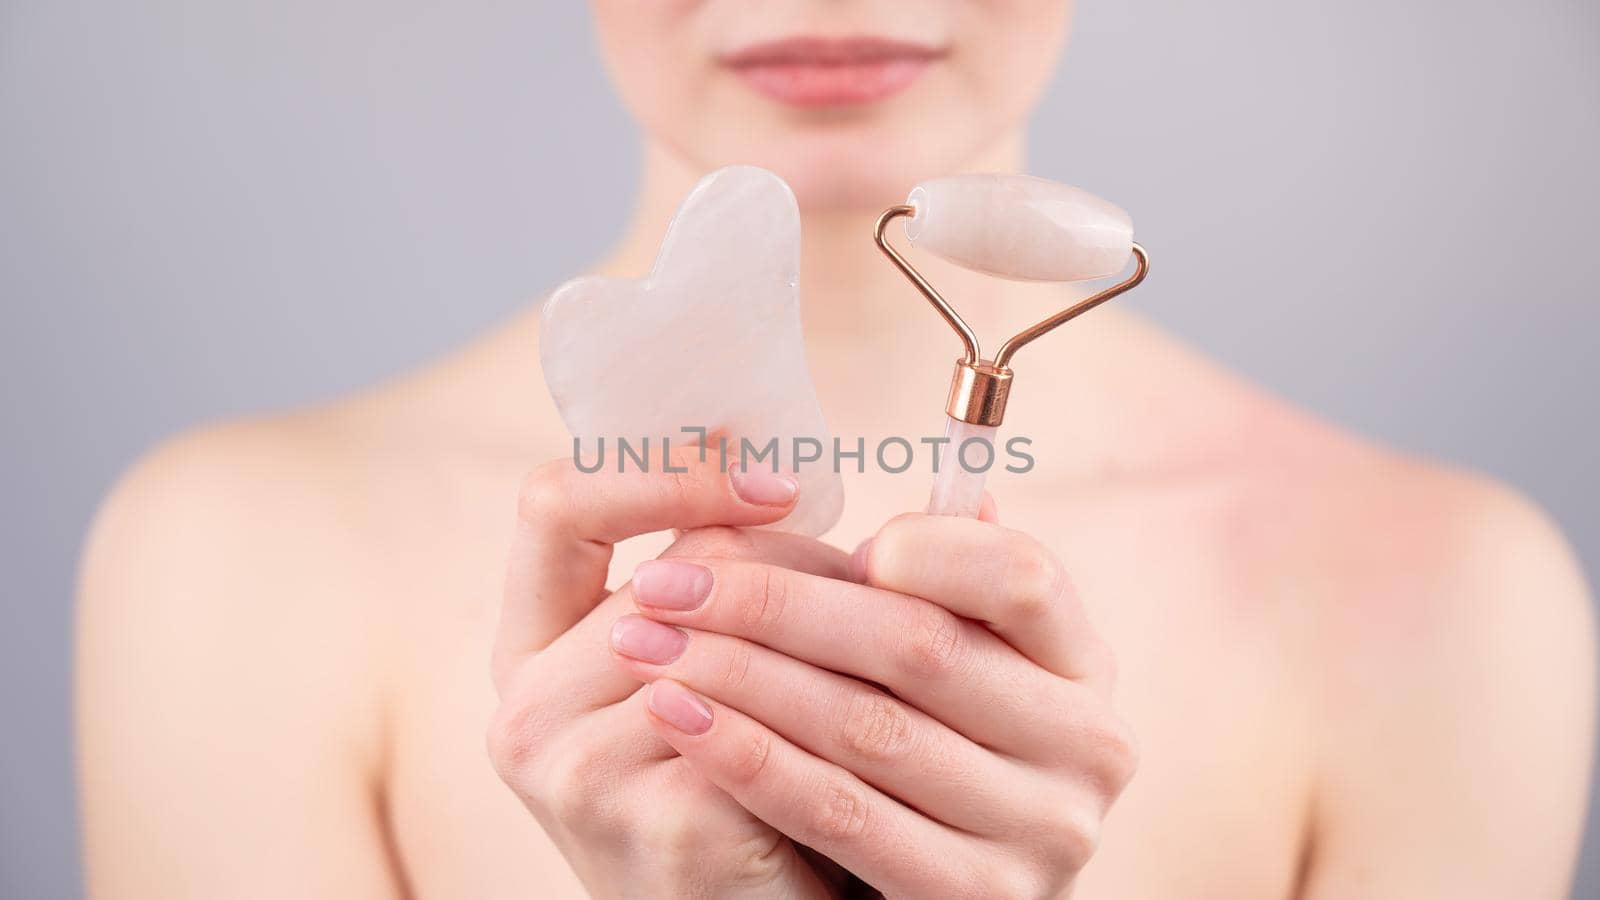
(1448, 641)
(1406, 557)
(234, 561)
(328, 515)
(208, 506)
(1449, 546)
(1399, 562)
(227, 670)
(244, 594)
(318, 507)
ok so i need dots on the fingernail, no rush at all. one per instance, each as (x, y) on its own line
(647, 641)
(762, 487)
(858, 562)
(667, 584)
(678, 706)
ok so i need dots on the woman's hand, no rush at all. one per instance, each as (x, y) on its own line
(570, 736)
(983, 765)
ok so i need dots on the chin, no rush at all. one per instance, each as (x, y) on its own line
(854, 169)
(844, 178)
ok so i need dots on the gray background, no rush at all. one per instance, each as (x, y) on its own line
(1384, 210)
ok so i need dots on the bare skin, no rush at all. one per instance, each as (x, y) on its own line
(1350, 673)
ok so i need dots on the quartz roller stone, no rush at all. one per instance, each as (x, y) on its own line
(1020, 227)
(709, 339)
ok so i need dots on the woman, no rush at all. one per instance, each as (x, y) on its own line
(1349, 673)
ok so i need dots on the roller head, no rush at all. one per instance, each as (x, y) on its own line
(1020, 227)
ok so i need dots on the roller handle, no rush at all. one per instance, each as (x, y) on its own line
(962, 466)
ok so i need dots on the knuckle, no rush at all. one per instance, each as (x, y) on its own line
(1005, 879)
(936, 647)
(760, 865)
(1118, 751)
(1039, 580)
(691, 832)
(842, 815)
(1026, 607)
(877, 727)
(570, 786)
(750, 760)
(736, 665)
(551, 785)
(904, 524)
(890, 544)
(685, 487)
(1072, 836)
(511, 744)
(761, 609)
(560, 777)
(672, 830)
(519, 732)
(673, 833)
(714, 542)
(542, 495)
(691, 455)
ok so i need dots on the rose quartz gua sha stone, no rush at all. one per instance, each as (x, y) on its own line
(709, 339)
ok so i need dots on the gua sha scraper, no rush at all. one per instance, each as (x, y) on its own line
(709, 339)
(1015, 227)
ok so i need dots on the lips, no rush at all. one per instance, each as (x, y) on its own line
(821, 72)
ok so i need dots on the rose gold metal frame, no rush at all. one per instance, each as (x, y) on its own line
(979, 388)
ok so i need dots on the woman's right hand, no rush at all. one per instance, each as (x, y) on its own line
(570, 738)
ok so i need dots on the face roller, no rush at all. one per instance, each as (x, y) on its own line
(1014, 227)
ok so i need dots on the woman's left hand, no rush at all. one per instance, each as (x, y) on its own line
(982, 766)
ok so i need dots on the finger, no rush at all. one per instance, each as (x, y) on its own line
(885, 742)
(995, 575)
(951, 668)
(815, 803)
(988, 510)
(568, 520)
(778, 548)
(574, 674)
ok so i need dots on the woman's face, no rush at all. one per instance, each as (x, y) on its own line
(851, 102)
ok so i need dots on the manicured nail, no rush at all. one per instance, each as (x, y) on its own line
(679, 707)
(858, 562)
(668, 584)
(762, 487)
(647, 641)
